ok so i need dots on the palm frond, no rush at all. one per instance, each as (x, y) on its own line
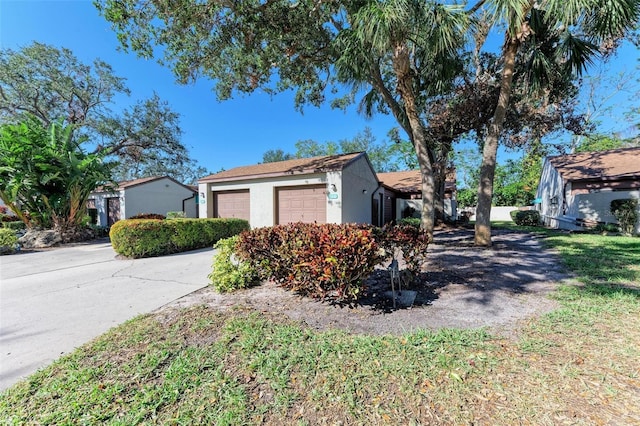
(576, 54)
(568, 12)
(446, 27)
(612, 18)
(539, 69)
(368, 103)
(511, 12)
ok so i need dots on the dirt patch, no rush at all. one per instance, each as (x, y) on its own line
(463, 286)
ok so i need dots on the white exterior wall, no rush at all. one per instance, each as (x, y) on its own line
(597, 205)
(502, 213)
(205, 202)
(101, 205)
(551, 188)
(334, 206)
(359, 185)
(592, 206)
(262, 195)
(159, 196)
(450, 207)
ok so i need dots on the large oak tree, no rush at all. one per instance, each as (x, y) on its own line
(49, 84)
(394, 55)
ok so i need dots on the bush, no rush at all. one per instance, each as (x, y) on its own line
(152, 237)
(413, 221)
(8, 241)
(229, 272)
(467, 197)
(14, 225)
(148, 216)
(603, 228)
(176, 215)
(320, 261)
(527, 218)
(626, 211)
(411, 240)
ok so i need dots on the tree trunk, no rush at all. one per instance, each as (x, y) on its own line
(402, 69)
(490, 150)
(428, 186)
(440, 167)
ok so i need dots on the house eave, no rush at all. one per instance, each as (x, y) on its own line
(267, 176)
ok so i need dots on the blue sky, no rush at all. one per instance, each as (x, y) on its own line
(218, 134)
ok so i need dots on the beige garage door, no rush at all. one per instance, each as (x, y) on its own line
(306, 204)
(231, 204)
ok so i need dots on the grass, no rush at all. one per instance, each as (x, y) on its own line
(576, 365)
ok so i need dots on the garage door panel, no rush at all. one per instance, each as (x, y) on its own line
(302, 204)
(233, 204)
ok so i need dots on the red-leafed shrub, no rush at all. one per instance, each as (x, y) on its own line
(148, 216)
(410, 239)
(320, 261)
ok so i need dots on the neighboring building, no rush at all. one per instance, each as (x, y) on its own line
(159, 194)
(403, 194)
(329, 189)
(577, 189)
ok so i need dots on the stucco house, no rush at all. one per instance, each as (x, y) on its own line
(576, 190)
(328, 189)
(158, 194)
(403, 194)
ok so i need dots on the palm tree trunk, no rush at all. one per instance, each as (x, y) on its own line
(402, 68)
(490, 150)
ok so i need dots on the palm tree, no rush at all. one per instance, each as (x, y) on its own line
(585, 29)
(406, 51)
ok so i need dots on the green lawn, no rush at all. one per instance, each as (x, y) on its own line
(576, 365)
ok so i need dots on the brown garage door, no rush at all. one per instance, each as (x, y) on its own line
(231, 204)
(302, 204)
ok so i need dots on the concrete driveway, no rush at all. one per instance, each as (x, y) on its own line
(55, 300)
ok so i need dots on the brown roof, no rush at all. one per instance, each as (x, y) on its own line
(296, 166)
(407, 181)
(605, 165)
(133, 182)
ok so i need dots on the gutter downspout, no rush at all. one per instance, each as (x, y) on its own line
(183, 206)
(373, 194)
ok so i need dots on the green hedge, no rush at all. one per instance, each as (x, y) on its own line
(229, 272)
(8, 241)
(152, 237)
(413, 221)
(15, 226)
(526, 217)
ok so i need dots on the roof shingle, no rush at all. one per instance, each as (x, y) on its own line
(288, 167)
(411, 181)
(604, 165)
